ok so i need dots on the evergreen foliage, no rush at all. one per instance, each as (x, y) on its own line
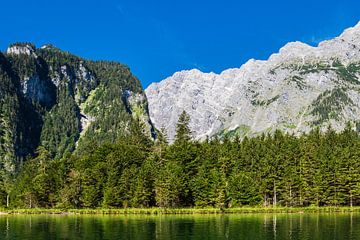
(183, 133)
(117, 165)
(316, 169)
(47, 95)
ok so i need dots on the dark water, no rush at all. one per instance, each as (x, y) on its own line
(245, 226)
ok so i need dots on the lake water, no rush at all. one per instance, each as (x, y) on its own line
(236, 226)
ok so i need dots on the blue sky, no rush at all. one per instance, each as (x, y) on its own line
(157, 38)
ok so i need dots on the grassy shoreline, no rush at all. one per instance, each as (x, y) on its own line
(159, 211)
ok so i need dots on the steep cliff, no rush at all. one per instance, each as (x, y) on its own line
(295, 90)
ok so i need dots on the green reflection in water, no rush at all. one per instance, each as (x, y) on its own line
(236, 226)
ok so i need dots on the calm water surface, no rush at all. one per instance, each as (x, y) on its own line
(236, 226)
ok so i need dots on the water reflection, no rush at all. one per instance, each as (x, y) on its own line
(246, 226)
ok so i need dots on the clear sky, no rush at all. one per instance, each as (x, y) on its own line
(156, 38)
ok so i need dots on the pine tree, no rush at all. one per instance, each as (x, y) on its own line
(183, 132)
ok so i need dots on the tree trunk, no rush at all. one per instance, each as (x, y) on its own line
(265, 200)
(274, 202)
(7, 200)
(317, 200)
(290, 194)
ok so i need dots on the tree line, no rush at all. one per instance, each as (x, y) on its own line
(315, 169)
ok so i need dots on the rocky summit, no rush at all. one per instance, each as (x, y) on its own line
(297, 89)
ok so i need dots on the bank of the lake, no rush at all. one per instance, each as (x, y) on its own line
(156, 211)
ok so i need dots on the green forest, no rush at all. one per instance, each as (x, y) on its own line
(62, 102)
(315, 169)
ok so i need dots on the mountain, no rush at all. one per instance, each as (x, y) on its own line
(295, 90)
(62, 102)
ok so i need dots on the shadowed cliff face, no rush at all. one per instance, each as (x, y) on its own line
(60, 101)
(295, 90)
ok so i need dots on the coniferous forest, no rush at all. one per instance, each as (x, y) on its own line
(316, 169)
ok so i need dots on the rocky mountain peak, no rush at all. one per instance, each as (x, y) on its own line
(352, 33)
(295, 90)
(21, 48)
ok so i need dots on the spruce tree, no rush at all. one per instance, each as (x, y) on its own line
(183, 132)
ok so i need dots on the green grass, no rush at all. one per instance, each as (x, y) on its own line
(156, 211)
(290, 126)
(240, 131)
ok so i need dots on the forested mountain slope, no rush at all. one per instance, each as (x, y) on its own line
(62, 102)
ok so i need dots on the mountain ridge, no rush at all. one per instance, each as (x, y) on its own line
(320, 69)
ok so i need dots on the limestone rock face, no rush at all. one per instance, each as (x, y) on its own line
(38, 90)
(17, 49)
(295, 90)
